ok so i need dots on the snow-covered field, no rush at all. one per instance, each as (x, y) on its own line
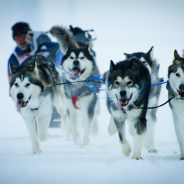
(121, 26)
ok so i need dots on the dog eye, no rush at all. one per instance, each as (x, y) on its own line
(71, 57)
(116, 84)
(16, 85)
(177, 75)
(129, 83)
(144, 62)
(81, 58)
(27, 85)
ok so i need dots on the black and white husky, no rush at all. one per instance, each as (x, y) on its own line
(128, 85)
(153, 68)
(33, 89)
(78, 64)
(175, 88)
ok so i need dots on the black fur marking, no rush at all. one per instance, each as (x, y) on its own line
(77, 51)
(92, 105)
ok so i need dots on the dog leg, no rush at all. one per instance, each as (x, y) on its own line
(179, 128)
(73, 125)
(87, 129)
(32, 130)
(125, 146)
(112, 127)
(150, 135)
(137, 146)
(138, 133)
(43, 118)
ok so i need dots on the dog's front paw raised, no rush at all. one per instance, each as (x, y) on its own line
(125, 147)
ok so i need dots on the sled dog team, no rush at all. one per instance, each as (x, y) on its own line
(37, 86)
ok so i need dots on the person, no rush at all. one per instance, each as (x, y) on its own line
(29, 43)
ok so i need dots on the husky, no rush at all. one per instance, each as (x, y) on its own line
(33, 89)
(153, 68)
(79, 65)
(128, 85)
(175, 89)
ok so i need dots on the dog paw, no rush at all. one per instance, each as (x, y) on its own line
(137, 157)
(36, 152)
(126, 149)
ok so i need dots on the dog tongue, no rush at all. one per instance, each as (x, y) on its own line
(18, 106)
(76, 71)
(123, 102)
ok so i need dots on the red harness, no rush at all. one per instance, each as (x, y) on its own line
(74, 100)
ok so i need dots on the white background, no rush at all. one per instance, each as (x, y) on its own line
(121, 26)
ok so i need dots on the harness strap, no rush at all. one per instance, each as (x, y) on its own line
(154, 106)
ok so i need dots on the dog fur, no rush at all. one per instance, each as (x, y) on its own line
(175, 89)
(128, 85)
(153, 68)
(33, 89)
(78, 64)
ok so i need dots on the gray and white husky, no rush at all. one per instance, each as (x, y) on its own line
(175, 89)
(79, 67)
(32, 87)
(153, 68)
(128, 86)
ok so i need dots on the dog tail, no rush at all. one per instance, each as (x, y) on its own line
(64, 37)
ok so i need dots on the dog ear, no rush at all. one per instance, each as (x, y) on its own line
(127, 55)
(150, 52)
(13, 69)
(176, 57)
(112, 66)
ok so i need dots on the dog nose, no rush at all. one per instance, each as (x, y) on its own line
(123, 93)
(76, 63)
(20, 96)
(181, 87)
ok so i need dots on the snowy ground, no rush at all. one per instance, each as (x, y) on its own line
(121, 26)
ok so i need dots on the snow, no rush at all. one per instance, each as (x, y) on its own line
(121, 26)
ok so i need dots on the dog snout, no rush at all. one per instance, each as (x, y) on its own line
(76, 63)
(123, 93)
(181, 87)
(20, 96)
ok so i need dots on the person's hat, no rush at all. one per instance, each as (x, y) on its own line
(20, 27)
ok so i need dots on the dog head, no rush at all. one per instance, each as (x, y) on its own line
(145, 58)
(124, 83)
(78, 63)
(176, 75)
(25, 86)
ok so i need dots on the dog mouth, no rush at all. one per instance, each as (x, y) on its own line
(77, 72)
(20, 103)
(181, 94)
(122, 102)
